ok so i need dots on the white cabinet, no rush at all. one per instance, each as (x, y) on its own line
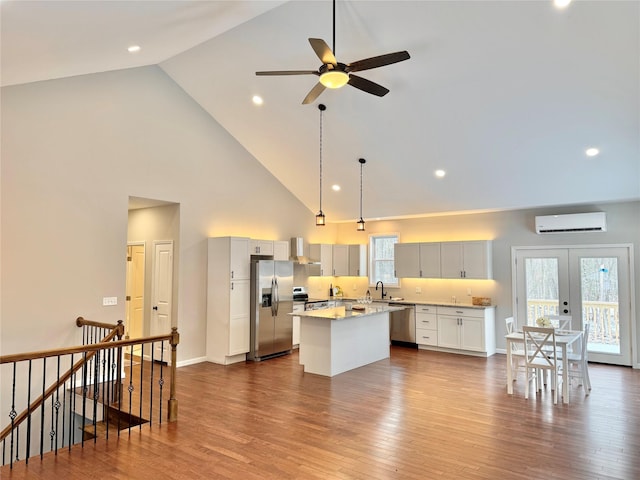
(358, 260)
(297, 308)
(340, 260)
(468, 329)
(417, 260)
(261, 247)
(323, 253)
(280, 250)
(466, 259)
(426, 325)
(228, 299)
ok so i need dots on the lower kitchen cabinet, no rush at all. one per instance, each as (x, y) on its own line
(456, 329)
(426, 325)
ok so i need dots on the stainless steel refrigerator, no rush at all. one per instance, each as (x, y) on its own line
(271, 304)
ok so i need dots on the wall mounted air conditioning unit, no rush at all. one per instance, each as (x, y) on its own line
(576, 222)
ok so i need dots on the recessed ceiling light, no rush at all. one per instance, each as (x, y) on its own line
(257, 100)
(335, 188)
(134, 48)
(592, 152)
(440, 173)
(561, 3)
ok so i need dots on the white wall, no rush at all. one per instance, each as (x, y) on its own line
(73, 151)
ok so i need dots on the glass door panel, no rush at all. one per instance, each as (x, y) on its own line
(542, 285)
(601, 275)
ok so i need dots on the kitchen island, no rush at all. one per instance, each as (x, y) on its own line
(335, 340)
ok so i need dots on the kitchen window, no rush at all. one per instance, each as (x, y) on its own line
(381, 259)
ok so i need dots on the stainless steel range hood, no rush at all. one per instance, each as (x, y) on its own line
(298, 252)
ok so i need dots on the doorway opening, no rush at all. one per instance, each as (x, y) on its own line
(153, 238)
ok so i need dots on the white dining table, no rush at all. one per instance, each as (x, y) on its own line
(563, 340)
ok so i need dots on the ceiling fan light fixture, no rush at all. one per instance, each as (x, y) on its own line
(334, 79)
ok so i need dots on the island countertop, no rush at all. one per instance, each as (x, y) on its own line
(339, 313)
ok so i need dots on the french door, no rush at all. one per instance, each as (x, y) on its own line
(592, 284)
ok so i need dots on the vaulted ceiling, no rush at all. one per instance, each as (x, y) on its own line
(505, 97)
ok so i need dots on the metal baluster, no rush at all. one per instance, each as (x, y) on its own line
(96, 379)
(44, 389)
(161, 381)
(57, 407)
(141, 380)
(72, 404)
(28, 452)
(153, 347)
(84, 394)
(131, 389)
(12, 414)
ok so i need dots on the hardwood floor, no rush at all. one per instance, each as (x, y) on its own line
(417, 415)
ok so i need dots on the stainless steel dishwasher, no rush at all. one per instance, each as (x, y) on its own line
(402, 325)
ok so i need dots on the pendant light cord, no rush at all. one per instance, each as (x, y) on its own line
(361, 164)
(321, 110)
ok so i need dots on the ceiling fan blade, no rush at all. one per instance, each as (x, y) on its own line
(367, 86)
(379, 61)
(289, 72)
(323, 51)
(314, 93)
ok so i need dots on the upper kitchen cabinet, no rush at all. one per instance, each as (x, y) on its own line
(340, 260)
(323, 253)
(357, 260)
(237, 257)
(466, 259)
(261, 247)
(280, 250)
(417, 260)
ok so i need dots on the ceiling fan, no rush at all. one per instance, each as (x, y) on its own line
(334, 74)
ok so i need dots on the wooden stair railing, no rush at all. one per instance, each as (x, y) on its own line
(89, 351)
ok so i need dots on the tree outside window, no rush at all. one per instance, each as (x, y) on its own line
(381, 259)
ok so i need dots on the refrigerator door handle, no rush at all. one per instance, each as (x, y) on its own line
(277, 302)
(273, 296)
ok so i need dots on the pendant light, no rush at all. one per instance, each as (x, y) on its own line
(320, 219)
(361, 221)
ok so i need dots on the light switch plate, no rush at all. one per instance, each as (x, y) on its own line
(108, 301)
(418, 290)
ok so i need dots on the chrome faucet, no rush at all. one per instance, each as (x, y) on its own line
(382, 295)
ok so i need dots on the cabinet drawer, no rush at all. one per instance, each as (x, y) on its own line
(428, 321)
(426, 309)
(426, 337)
(461, 312)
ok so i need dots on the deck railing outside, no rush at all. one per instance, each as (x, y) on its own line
(59, 398)
(602, 317)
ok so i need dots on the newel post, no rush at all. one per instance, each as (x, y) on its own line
(173, 401)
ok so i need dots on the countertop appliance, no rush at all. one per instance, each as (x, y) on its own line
(402, 325)
(271, 303)
(300, 294)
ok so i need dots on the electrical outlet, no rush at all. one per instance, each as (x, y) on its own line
(469, 291)
(355, 287)
(108, 301)
(418, 290)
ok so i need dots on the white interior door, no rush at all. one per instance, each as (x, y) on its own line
(162, 292)
(590, 284)
(135, 290)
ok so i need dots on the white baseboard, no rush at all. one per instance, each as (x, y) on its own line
(191, 361)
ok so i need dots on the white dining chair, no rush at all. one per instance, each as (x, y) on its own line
(541, 356)
(517, 350)
(579, 363)
(561, 322)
